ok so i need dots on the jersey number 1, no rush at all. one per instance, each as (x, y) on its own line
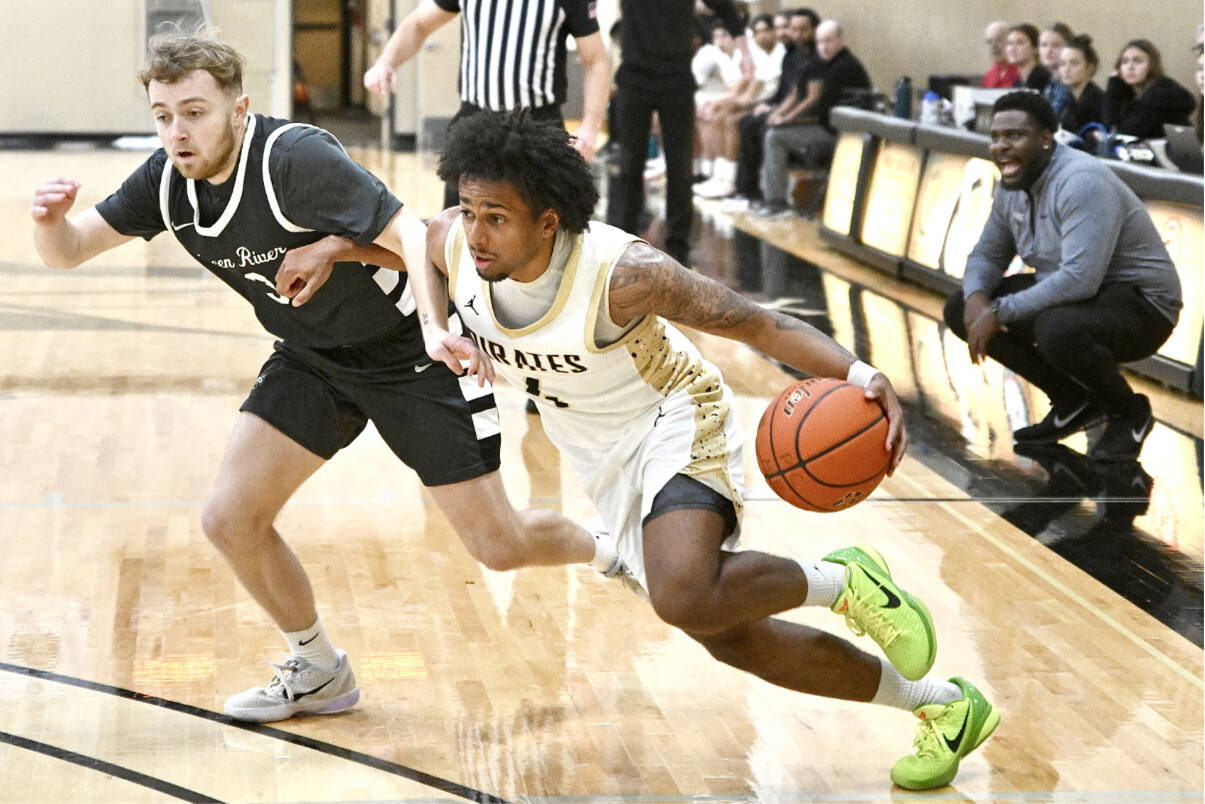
(533, 389)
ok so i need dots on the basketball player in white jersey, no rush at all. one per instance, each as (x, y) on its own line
(577, 313)
(240, 191)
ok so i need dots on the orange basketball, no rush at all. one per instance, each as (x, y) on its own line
(821, 445)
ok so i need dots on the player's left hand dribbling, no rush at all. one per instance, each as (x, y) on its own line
(881, 391)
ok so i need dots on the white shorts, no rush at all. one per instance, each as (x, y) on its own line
(623, 481)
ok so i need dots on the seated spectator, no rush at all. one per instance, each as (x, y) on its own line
(1139, 98)
(752, 127)
(717, 71)
(1050, 49)
(1001, 74)
(782, 29)
(1193, 162)
(1077, 65)
(719, 117)
(1103, 292)
(716, 65)
(1021, 48)
(805, 131)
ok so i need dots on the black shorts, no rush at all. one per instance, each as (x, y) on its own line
(445, 429)
(684, 492)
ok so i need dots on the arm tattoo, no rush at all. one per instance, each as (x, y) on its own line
(648, 282)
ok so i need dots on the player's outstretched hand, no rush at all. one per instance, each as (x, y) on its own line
(52, 200)
(381, 79)
(304, 270)
(881, 391)
(459, 354)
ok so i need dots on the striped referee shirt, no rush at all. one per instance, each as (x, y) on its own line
(512, 52)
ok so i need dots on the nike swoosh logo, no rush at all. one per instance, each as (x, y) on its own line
(421, 368)
(893, 601)
(176, 228)
(1061, 422)
(1141, 432)
(308, 641)
(300, 695)
(953, 744)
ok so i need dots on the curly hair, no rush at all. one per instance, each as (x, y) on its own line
(1037, 107)
(172, 56)
(536, 157)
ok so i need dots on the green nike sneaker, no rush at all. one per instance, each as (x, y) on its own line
(874, 604)
(945, 735)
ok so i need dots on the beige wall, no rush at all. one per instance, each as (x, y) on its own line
(922, 37)
(70, 66)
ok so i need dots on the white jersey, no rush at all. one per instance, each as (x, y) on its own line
(628, 415)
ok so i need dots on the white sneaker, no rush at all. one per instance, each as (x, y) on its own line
(654, 168)
(299, 687)
(607, 553)
(715, 187)
(736, 203)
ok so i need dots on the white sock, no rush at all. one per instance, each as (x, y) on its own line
(314, 646)
(897, 691)
(725, 169)
(826, 579)
(605, 558)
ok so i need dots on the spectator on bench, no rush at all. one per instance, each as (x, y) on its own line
(808, 132)
(1139, 99)
(1022, 50)
(1050, 51)
(1002, 73)
(720, 117)
(1077, 65)
(718, 77)
(752, 127)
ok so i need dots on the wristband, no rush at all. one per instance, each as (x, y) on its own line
(860, 374)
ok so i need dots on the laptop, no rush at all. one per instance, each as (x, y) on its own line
(1182, 148)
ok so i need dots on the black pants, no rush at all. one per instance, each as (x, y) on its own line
(1071, 351)
(676, 112)
(752, 128)
(551, 114)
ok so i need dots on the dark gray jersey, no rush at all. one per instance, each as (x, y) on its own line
(293, 185)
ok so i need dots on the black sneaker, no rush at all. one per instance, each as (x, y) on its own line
(1068, 473)
(1126, 491)
(1060, 423)
(1124, 434)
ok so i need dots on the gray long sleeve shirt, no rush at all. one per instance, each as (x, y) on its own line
(1080, 227)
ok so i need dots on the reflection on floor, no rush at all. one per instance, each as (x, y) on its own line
(1136, 526)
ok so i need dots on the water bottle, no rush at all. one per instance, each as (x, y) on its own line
(930, 109)
(903, 98)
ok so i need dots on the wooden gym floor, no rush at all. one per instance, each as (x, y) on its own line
(1071, 595)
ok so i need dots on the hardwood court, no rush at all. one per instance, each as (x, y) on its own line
(122, 630)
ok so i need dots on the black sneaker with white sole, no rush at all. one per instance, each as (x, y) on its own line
(1124, 434)
(1060, 423)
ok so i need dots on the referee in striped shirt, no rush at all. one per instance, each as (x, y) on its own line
(512, 56)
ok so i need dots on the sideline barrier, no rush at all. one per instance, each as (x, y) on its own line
(911, 200)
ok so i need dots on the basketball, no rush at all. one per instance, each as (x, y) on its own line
(821, 445)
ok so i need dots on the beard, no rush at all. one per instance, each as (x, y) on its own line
(225, 152)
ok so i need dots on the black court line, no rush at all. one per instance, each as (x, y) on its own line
(92, 763)
(451, 788)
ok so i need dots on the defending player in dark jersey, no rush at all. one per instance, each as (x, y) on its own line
(240, 191)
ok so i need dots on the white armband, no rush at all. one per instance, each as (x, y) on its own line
(860, 374)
